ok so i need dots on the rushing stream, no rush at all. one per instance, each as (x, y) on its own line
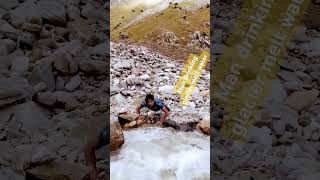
(161, 154)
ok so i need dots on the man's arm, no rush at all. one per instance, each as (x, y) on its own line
(166, 114)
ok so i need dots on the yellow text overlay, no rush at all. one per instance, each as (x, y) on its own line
(190, 76)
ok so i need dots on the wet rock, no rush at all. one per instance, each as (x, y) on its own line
(116, 135)
(204, 126)
(302, 99)
(74, 83)
(127, 117)
(93, 67)
(43, 73)
(14, 89)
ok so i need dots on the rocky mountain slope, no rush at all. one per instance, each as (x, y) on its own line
(53, 85)
(136, 71)
(172, 29)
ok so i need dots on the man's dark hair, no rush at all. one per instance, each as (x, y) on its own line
(149, 96)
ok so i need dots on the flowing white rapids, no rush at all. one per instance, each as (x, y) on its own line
(161, 154)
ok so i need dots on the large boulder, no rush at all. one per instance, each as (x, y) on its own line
(27, 12)
(116, 135)
(14, 89)
(43, 73)
(27, 118)
(300, 100)
(53, 12)
(204, 126)
(93, 67)
(58, 170)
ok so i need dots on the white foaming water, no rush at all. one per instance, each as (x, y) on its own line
(161, 154)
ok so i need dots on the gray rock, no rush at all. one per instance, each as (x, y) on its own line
(7, 173)
(28, 38)
(74, 83)
(73, 66)
(313, 68)
(53, 12)
(46, 98)
(43, 73)
(293, 86)
(28, 118)
(6, 46)
(14, 89)
(91, 12)
(290, 118)
(125, 64)
(287, 76)
(9, 4)
(260, 135)
(20, 65)
(57, 169)
(26, 12)
(305, 78)
(70, 103)
(36, 28)
(93, 67)
(61, 62)
(3, 12)
(315, 76)
(278, 127)
(73, 48)
(304, 120)
(300, 100)
(73, 11)
(6, 28)
(40, 87)
(60, 84)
